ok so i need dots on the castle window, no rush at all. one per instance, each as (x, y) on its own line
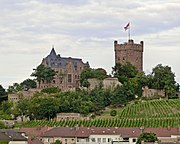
(75, 67)
(69, 78)
(54, 81)
(123, 58)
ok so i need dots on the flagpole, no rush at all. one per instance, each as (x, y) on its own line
(129, 31)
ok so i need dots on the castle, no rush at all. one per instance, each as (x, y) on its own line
(129, 52)
(68, 71)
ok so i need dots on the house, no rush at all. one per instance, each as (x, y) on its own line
(152, 92)
(107, 83)
(14, 97)
(103, 135)
(12, 136)
(65, 134)
(68, 116)
(68, 71)
(107, 135)
(34, 134)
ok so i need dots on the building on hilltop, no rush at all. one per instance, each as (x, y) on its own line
(129, 52)
(68, 71)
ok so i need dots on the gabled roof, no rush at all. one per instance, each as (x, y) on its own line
(124, 132)
(36, 131)
(11, 135)
(60, 132)
(85, 132)
(163, 132)
(56, 61)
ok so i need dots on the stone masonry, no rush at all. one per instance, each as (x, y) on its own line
(68, 71)
(129, 52)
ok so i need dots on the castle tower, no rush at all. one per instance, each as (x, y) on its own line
(129, 52)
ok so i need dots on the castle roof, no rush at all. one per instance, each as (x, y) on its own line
(56, 61)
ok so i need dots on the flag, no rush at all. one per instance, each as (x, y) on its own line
(127, 26)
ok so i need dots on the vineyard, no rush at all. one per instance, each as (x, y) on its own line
(159, 113)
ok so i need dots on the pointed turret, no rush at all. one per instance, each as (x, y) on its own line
(52, 53)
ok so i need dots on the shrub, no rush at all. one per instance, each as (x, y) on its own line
(51, 90)
(113, 113)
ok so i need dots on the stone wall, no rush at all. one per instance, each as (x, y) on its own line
(129, 52)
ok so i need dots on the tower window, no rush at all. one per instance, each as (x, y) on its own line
(69, 78)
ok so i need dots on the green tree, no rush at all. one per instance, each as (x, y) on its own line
(113, 113)
(51, 90)
(3, 94)
(28, 83)
(147, 137)
(57, 142)
(43, 73)
(164, 79)
(2, 126)
(15, 88)
(89, 73)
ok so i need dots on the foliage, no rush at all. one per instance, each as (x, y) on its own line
(43, 73)
(51, 90)
(57, 142)
(89, 73)
(3, 94)
(147, 137)
(6, 107)
(164, 78)
(15, 88)
(28, 83)
(159, 113)
(4, 142)
(124, 72)
(113, 113)
(2, 126)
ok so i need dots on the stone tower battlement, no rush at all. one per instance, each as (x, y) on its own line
(129, 52)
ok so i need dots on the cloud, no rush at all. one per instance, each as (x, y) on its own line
(85, 29)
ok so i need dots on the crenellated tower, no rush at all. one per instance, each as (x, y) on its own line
(129, 52)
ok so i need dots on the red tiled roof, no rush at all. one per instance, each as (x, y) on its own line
(36, 131)
(163, 132)
(85, 132)
(60, 132)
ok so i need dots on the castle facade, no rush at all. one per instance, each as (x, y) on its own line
(68, 71)
(129, 52)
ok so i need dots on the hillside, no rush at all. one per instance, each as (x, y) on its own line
(148, 109)
(156, 113)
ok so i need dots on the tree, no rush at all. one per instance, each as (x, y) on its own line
(147, 137)
(124, 71)
(57, 142)
(89, 73)
(164, 79)
(3, 94)
(28, 83)
(2, 126)
(15, 88)
(113, 113)
(43, 73)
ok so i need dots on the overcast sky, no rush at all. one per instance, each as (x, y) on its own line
(85, 29)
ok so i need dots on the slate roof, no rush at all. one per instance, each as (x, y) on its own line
(11, 135)
(56, 61)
